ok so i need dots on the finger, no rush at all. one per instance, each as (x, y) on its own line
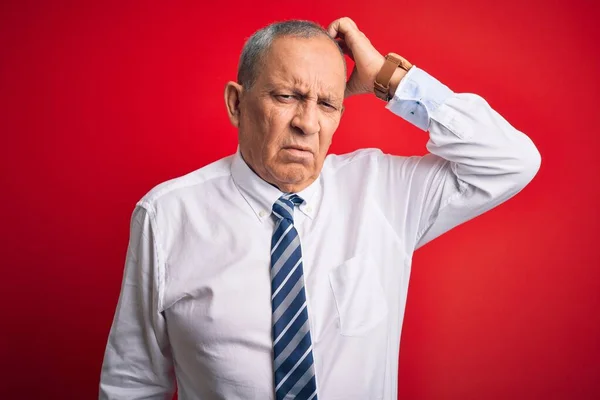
(341, 26)
(350, 22)
(333, 28)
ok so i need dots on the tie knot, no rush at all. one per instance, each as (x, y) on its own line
(284, 206)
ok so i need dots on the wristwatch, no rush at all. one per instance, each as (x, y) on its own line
(381, 86)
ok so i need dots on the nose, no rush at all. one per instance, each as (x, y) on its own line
(307, 118)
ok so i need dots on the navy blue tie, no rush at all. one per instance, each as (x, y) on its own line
(292, 355)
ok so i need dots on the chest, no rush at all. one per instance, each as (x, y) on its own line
(218, 286)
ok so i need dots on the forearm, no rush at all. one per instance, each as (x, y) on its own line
(477, 159)
(465, 130)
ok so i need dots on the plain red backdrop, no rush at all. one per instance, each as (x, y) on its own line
(99, 102)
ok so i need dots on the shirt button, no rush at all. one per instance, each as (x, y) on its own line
(309, 209)
(262, 214)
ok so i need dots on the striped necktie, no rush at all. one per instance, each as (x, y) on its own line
(292, 355)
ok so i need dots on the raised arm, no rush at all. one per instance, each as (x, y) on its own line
(477, 159)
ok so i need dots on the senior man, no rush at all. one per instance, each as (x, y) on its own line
(281, 272)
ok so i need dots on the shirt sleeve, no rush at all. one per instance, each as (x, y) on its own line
(476, 160)
(137, 361)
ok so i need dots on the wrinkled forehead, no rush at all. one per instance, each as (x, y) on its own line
(306, 63)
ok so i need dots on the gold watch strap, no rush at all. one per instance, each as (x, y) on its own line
(381, 86)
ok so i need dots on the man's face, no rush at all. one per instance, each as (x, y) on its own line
(289, 116)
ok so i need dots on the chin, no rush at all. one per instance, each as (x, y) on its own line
(291, 174)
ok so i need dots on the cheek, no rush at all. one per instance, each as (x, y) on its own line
(260, 122)
(276, 128)
(328, 130)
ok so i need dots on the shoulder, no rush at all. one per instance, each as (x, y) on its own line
(196, 180)
(358, 158)
(351, 169)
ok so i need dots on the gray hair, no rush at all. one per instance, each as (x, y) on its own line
(257, 46)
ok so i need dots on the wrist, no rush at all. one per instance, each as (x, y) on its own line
(389, 76)
(399, 73)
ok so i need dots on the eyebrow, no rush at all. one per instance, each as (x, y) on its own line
(322, 96)
(326, 97)
(295, 86)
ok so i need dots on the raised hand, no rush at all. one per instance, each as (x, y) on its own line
(367, 60)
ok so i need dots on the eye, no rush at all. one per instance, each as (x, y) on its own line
(285, 97)
(328, 105)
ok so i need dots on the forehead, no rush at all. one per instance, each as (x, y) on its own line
(313, 63)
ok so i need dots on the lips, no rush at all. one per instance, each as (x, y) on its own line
(298, 148)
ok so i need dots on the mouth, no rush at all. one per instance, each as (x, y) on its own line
(298, 152)
(298, 148)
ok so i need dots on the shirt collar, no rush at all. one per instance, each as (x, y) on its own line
(261, 195)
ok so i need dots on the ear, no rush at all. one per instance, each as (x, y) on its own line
(233, 95)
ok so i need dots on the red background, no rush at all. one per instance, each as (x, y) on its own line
(100, 102)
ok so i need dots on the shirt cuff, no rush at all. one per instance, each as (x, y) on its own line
(417, 96)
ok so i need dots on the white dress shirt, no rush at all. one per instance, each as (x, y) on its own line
(195, 304)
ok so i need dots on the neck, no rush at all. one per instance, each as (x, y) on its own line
(283, 187)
